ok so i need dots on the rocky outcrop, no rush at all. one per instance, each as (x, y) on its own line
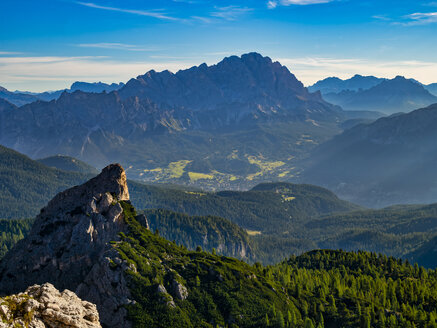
(68, 246)
(44, 306)
(165, 297)
(142, 219)
(179, 290)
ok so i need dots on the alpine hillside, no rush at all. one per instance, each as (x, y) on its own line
(90, 240)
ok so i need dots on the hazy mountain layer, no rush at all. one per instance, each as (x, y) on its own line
(336, 85)
(390, 161)
(432, 88)
(20, 98)
(389, 96)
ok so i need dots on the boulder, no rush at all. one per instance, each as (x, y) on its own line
(42, 306)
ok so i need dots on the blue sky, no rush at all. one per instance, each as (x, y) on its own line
(48, 44)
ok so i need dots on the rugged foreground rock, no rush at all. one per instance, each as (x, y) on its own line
(69, 247)
(44, 306)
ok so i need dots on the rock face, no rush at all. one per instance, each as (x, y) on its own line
(242, 83)
(44, 306)
(68, 246)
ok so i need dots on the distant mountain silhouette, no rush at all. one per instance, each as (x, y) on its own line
(96, 87)
(390, 96)
(336, 85)
(21, 98)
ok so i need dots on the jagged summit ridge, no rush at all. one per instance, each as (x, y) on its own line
(68, 245)
(243, 83)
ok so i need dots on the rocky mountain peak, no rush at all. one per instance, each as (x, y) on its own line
(403, 85)
(110, 185)
(69, 247)
(240, 83)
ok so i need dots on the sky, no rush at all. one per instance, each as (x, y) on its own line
(49, 44)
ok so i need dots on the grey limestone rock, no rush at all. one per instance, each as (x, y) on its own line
(46, 307)
(179, 290)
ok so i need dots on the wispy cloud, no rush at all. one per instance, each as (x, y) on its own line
(420, 19)
(44, 59)
(230, 13)
(202, 19)
(159, 14)
(382, 18)
(115, 46)
(8, 53)
(272, 4)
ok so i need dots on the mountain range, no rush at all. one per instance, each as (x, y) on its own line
(233, 125)
(388, 96)
(20, 98)
(254, 114)
(357, 83)
(337, 85)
